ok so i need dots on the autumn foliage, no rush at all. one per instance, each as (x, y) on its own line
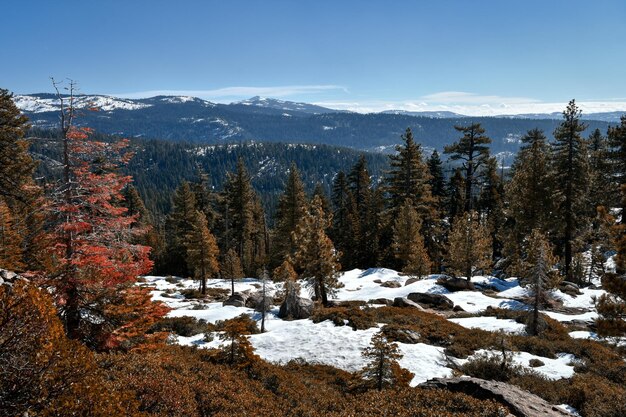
(93, 264)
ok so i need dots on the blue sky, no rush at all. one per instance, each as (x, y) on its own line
(472, 56)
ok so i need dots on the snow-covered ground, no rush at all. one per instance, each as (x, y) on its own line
(340, 346)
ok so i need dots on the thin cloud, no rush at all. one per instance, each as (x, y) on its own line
(239, 92)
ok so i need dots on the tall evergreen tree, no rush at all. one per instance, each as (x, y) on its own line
(472, 148)
(344, 226)
(202, 250)
(408, 243)
(17, 188)
(530, 197)
(437, 178)
(469, 245)
(409, 178)
(291, 209)
(571, 176)
(207, 200)
(617, 159)
(456, 195)
(361, 213)
(239, 215)
(491, 204)
(315, 254)
(179, 224)
(602, 189)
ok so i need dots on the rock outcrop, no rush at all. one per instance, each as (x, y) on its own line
(437, 301)
(236, 300)
(456, 284)
(405, 302)
(520, 403)
(295, 307)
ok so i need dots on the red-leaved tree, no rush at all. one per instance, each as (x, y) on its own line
(94, 264)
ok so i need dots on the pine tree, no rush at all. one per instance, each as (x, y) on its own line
(530, 191)
(239, 216)
(345, 225)
(469, 245)
(359, 184)
(383, 356)
(320, 192)
(456, 194)
(409, 178)
(16, 164)
(260, 235)
(206, 199)
(617, 159)
(239, 351)
(539, 276)
(285, 272)
(571, 176)
(491, 204)
(231, 268)
(437, 178)
(315, 255)
(17, 187)
(179, 224)
(291, 209)
(602, 189)
(408, 243)
(473, 150)
(202, 251)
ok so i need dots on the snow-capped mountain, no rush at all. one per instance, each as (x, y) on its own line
(272, 103)
(433, 114)
(41, 103)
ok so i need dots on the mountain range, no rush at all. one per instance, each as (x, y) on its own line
(258, 119)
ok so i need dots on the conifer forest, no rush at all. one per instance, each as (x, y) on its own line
(324, 248)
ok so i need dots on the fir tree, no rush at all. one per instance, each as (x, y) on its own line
(260, 235)
(602, 189)
(538, 276)
(491, 204)
(361, 215)
(239, 216)
(345, 225)
(456, 194)
(239, 351)
(16, 164)
(179, 224)
(320, 192)
(202, 251)
(17, 188)
(617, 159)
(231, 268)
(408, 243)
(291, 209)
(437, 178)
(571, 176)
(409, 178)
(469, 245)
(473, 150)
(382, 368)
(315, 254)
(206, 200)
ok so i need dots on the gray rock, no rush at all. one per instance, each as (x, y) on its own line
(236, 300)
(401, 335)
(383, 301)
(456, 284)
(570, 288)
(255, 301)
(521, 403)
(405, 302)
(7, 275)
(438, 301)
(391, 284)
(377, 281)
(412, 280)
(295, 307)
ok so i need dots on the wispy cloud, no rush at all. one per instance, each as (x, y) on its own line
(472, 104)
(239, 92)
